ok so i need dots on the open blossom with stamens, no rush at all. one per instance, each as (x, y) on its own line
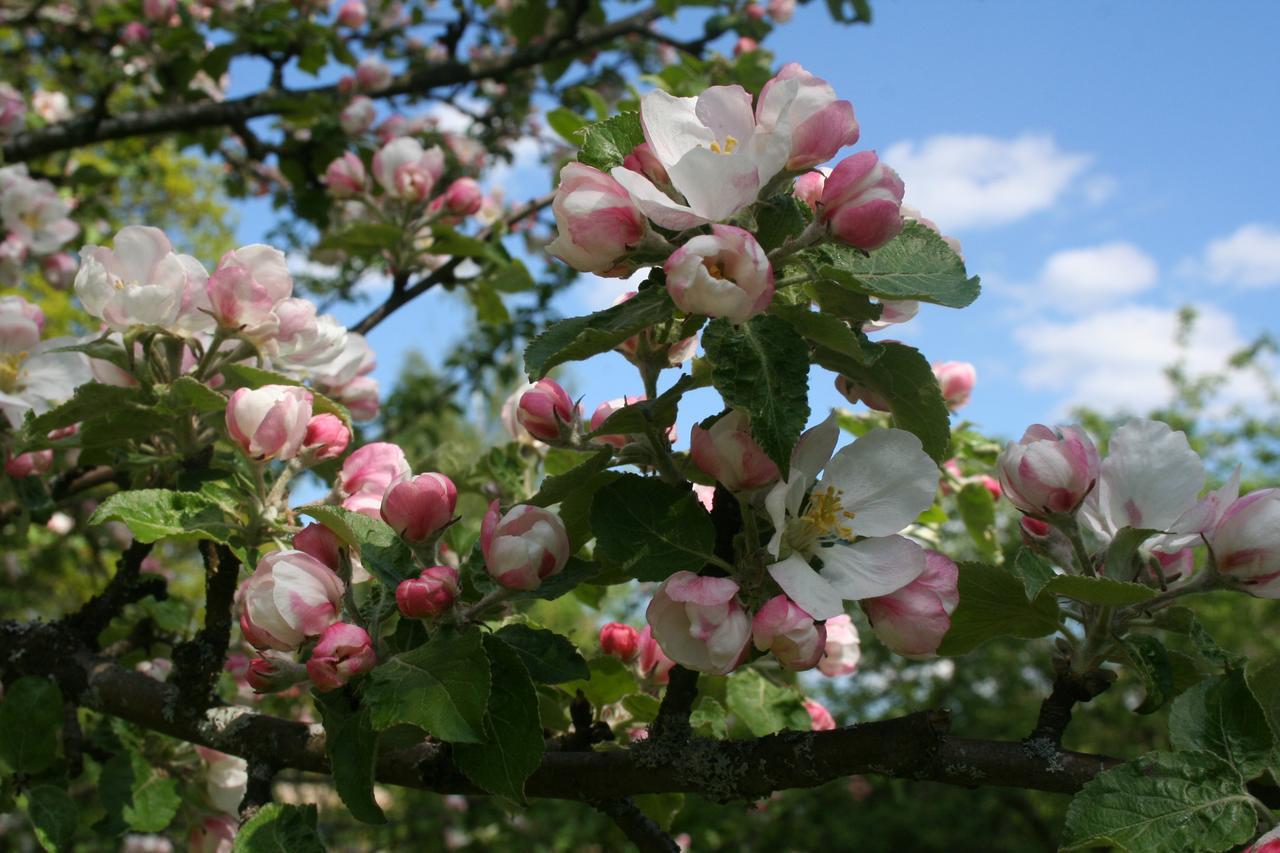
(406, 170)
(141, 280)
(33, 213)
(700, 623)
(722, 274)
(872, 488)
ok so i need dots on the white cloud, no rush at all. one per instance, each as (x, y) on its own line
(974, 181)
(1115, 360)
(1080, 279)
(594, 292)
(1250, 257)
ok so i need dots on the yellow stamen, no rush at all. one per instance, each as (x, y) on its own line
(826, 516)
(730, 143)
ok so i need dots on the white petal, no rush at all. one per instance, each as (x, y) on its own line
(815, 447)
(672, 127)
(887, 480)
(726, 110)
(716, 185)
(807, 589)
(654, 203)
(1150, 477)
(871, 567)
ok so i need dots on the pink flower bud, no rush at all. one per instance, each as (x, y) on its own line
(524, 547)
(318, 541)
(620, 641)
(269, 422)
(855, 394)
(13, 110)
(861, 201)
(744, 44)
(326, 437)
(463, 198)
(59, 269)
(808, 188)
(992, 485)
(602, 413)
(544, 410)
(819, 124)
(372, 74)
(273, 673)
(842, 650)
(1246, 543)
(782, 10)
(789, 633)
(213, 834)
(134, 33)
(644, 161)
(1034, 530)
(652, 661)
(419, 507)
(159, 11)
(246, 286)
(596, 221)
(820, 718)
(344, 651)
(727, 452)
(372, 469)
(430, 594)
(956, 379)
(699, 622)
(357, 116)
(676, 354)
(754, 11)
(913, 620)
(352, 14)
(345, 175)
(406, 170)
(290, 596)
(1048, 471)
(721, 274)
(30, 464)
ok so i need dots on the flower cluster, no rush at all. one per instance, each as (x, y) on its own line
(34, 218)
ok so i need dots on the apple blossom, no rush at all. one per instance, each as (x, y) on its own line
(808, 188)
(226, 778)
(1049, 471)
(302, 339)
(141, 281)
(782, 628)
(290, 596)
(430, 594)
(596, 221)
(463, 198)
(372, 74)
(33, 212)
(33, 463)
(319, 542)
(273, 672)
(269, 422)
(344, 651)
(38, 379)
(352, 14)
(545, 410)
(842, 650)
(745, 44)
(326, 437)
(643, 161)
(213, 834)
(893, 312)
(805, 108)
(59, 269)
(676, 354)
(861, 201)
(727, 452)
(1246, 543)
(13, 110)
(699, 622)
(871, 488)
(956, 379)
(345, 176)
(159, 11)
(524, 547)
(820, 718)
(781, 10)
(913, 620)
(357, 116)
(651, 660)
(21, 324)
(372, 468)
(722, 274)
(417, 508)
(246, 286)
(53, 107)
(620, 641)
(406, 170)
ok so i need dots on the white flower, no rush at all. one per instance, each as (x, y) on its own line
(33, 212)
(872, 488)
(39, 380)
(141, 280)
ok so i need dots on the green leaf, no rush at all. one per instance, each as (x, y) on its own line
(642, 707)
(364, 238)
(1162, 802)
(650, 529)
(762, 367)
(441, 687)
(993, 603)
(660, 808)
(709, 718)
(547, 656)
(903, 378)
(1220, 715)
(513, 730)
(153, 797)
(660, 412)
(917, 264)
(764, 707)
(353, 528)
(1263, 678)
(581, 337)
(447, 241)
(825, 330)
(556, 488)
(856, 308)
(1033, 571)
(30, 717)
(54, 817)
(154, 514)
(576, 571)
(567, 123)
(1099, 590)
(1149, 659)
(610, 680)
(278, 828)
(978, 512)
(605, 144)
(1118, 563)
(187, 395)
(779, 218)
(89, 400)
(352, 746)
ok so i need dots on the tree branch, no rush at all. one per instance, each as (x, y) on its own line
(91, 128)
(1069, 688)
(198, 661)
(125, 587)
(640, 829)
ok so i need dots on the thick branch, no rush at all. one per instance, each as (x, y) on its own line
(91, 128)
(198, 661)
(125, 587)
(1069, 688)
(916, 746)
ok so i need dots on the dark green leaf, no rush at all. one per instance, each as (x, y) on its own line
(779, 218)
(352, 747)
(30, 717)
(54, 817)
(1220, 715)
(278, 828)
(547, 656)
(610, 680)
(90, 402)
(1033, 571)
(605, 144)
(659, 413)
(825, 330)
(1149, 659)
(1263, 678)
(154, 514)
(556, 488)
(581, 337)
(993, 603)
(762, 367)
(917, 264)
(857, 308)
(978, 512)
(187, 396)
(1099, 590)
(441, 687)
(575, 572)
(153, 797)
(650, 529)
(763, 707)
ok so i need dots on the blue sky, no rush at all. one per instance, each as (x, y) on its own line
(1102, 165)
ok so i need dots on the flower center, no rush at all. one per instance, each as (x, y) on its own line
(714, 267)
(824, 518)
(11, 371)
(730, 143)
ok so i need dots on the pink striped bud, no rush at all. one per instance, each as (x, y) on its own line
(352, 14)
(652, 661)
(344, 651)
(956, 379)
(372, 469)
(992, 485)
(326, 437)
(318, 541)
(345, 176)
(417, 508)
(430, 594)
(463, 198)
(722, 274)
(406, 170)
(820, 719)
(700, 623)
(545, 410)
(524, 547)
(596, 221)
(744, 44)
(789, 633)
(862, 201)
(727, 452)
(357, 116)
(620, 641)
(30, 464)
(913, 620)
(290, 596)
(273, 673)
(808, 188)
(269, 422)
(645, 162)
(1246, 543)
(819, 124)
(855, 394)
(1048, 471)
